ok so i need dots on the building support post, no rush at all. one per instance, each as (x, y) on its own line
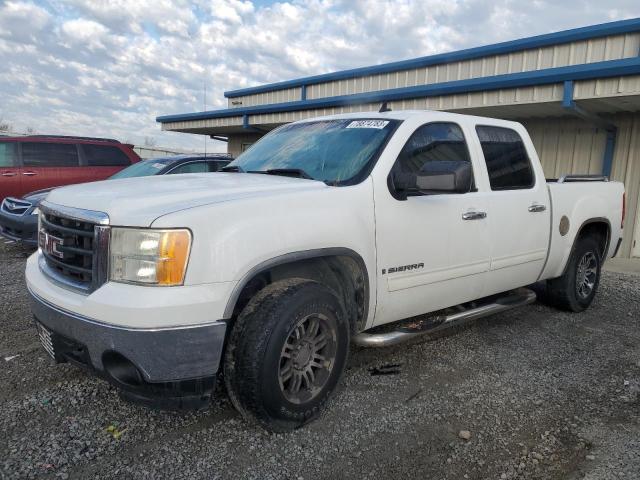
(612, 131)
(250, 128)
(609, 149)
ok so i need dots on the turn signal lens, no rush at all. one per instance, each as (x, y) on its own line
(149, 257)
(174, 253)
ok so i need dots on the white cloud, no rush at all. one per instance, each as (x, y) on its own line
(14, 14)
(85, 32)
(110, 67)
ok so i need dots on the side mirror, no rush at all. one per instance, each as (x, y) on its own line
(440, 176)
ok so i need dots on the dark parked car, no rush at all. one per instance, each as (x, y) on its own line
(19, 219)
(37, 162)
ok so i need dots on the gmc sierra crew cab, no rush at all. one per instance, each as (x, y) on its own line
(362, 228)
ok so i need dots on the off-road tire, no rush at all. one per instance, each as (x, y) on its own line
(253, 359)
(562, 292)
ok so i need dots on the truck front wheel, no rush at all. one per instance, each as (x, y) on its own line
(576, 289)
(286, 354)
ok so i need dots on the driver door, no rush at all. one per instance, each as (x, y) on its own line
(433, 249)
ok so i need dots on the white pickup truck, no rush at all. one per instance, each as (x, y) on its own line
(321, 233)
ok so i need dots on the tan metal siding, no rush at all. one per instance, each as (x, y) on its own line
(607, 87)
(196, 124)
(276, 96)
(573, 146)
(457, 102)
(567, 146)
(286, 117)
(574, 53)
(587, 51)
(626, 168)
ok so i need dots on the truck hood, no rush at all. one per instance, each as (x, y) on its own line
(139, 201)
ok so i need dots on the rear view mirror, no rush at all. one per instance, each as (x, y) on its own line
(439, 176)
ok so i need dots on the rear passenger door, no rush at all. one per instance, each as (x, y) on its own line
(49, 165)
(101, 161)
(518, 215)
(10, 173)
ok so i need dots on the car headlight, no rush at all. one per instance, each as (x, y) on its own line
(148, 256)
(35, 211)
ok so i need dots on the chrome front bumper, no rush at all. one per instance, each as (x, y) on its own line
(160, 355)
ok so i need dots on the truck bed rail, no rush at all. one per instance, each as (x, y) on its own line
(581, 178)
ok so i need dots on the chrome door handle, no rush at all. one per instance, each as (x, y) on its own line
(537, 208)
(9, 174)
(474, 215)
(29, 174)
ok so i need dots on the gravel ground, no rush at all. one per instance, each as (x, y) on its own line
(542, 394)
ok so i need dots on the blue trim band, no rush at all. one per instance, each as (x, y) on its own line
(611, 68)
(565, 36)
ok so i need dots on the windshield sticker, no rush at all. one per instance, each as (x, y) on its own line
(158, 165)
(378, 124)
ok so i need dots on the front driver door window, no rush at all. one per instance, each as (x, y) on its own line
(429, 256)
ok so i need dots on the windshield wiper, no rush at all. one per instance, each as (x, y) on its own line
(232, 168)
(287, 172)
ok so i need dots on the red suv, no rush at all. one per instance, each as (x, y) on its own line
(38, 161)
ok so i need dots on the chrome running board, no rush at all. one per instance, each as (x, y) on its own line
(513, 299)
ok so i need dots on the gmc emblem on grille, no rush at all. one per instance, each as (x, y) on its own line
(50, 244)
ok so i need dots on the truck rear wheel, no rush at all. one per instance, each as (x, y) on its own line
(286, 354)
(576, 289)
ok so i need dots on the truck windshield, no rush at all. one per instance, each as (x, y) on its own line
(332, 151)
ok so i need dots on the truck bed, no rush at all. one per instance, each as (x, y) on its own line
(581, 199)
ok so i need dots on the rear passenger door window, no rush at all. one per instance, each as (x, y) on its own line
(506, 157)
(104, 156)
(8, 154)
(36, 154)
(193, 167)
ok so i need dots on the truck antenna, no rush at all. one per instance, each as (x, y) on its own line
(384, 108)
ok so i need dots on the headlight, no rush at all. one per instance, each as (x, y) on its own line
(149, 257)
(35, 211)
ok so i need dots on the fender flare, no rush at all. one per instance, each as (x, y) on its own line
(294, 257)
(575, 239)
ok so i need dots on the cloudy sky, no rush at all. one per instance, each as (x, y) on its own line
(109, 67)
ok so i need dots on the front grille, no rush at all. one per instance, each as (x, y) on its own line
(15, 206)
(72, 255)
(18, 234)
(74, 250)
